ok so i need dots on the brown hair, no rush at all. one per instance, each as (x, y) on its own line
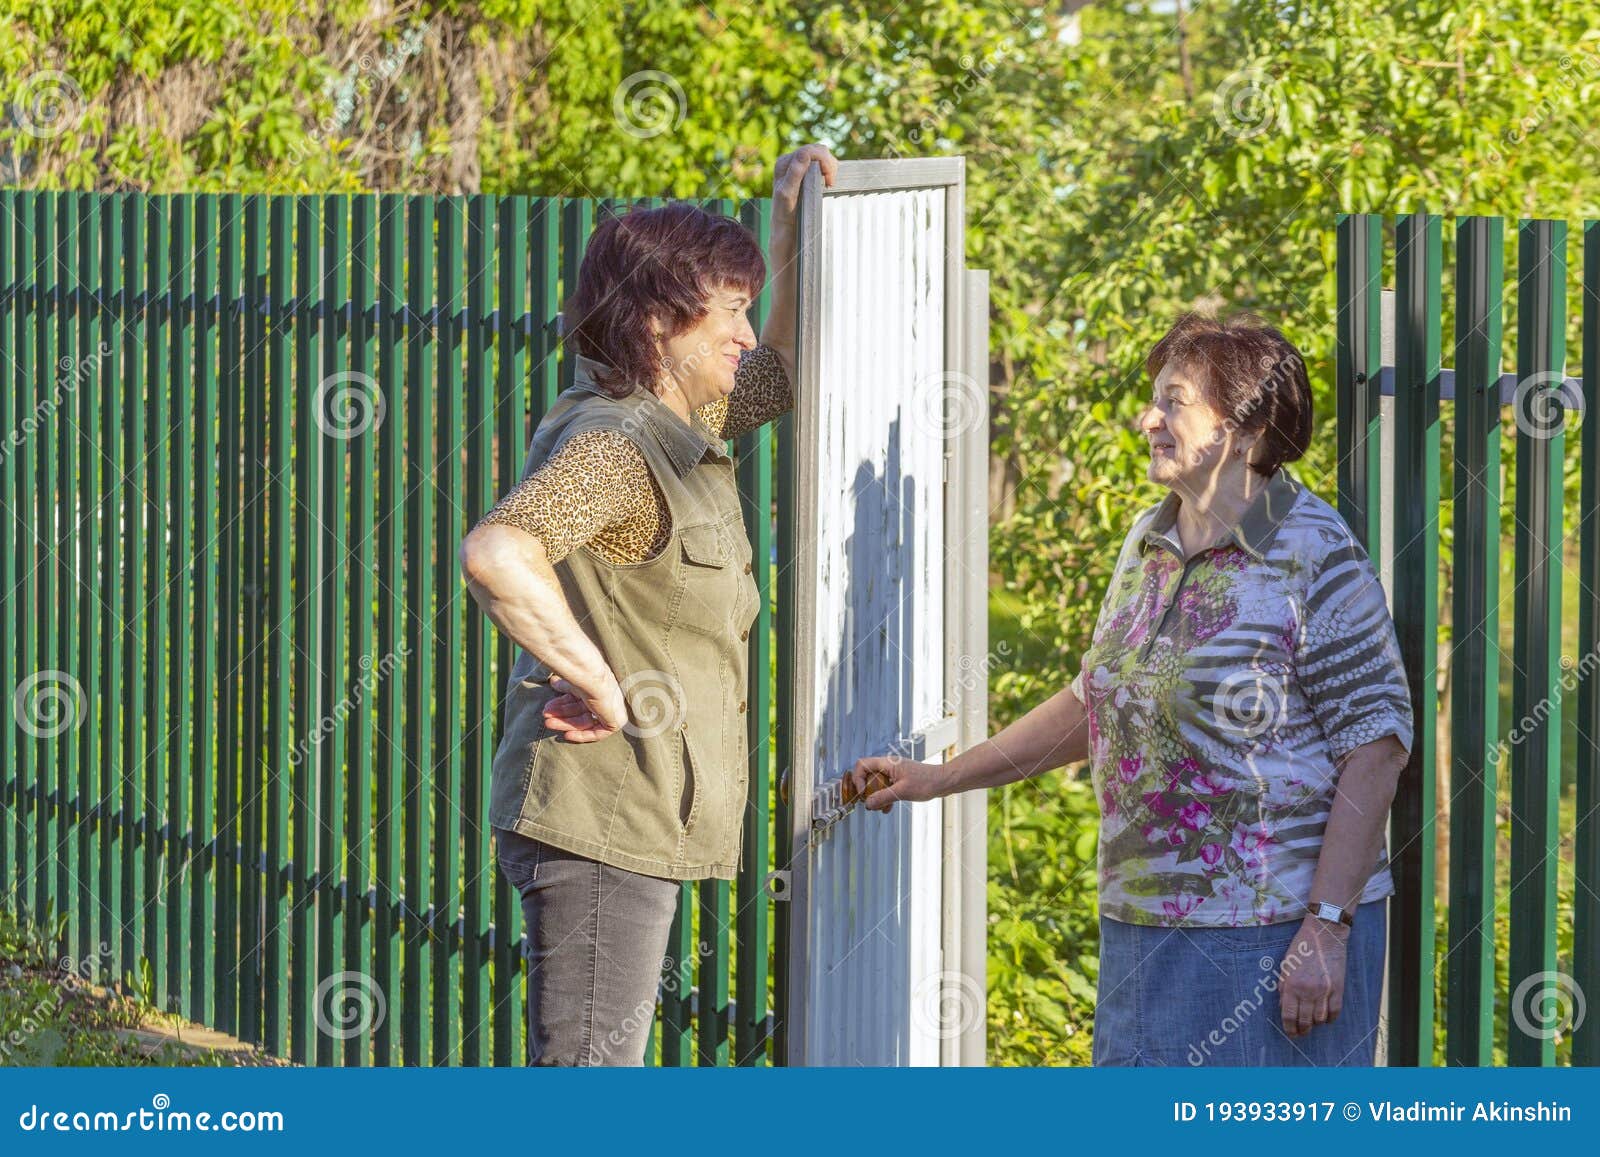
(664, 263)
(1250, 374)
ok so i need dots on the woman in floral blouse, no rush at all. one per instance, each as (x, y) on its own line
(1246, 718)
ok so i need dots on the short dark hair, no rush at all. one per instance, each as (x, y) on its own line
(1249, 373)
(665, 263)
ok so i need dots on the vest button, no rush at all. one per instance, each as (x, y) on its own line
(746, 568)
(743, 635)
(741, 707)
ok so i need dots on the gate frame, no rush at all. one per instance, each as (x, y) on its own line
(963, 903)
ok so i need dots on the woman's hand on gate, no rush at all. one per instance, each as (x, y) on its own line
(1311, 977)
(884, 779)
(790, 170)
(582, 717)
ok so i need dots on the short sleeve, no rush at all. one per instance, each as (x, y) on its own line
(1348, 660)
(761, 392)
(595, 481)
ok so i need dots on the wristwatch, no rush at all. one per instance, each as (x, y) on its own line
(1333, 914)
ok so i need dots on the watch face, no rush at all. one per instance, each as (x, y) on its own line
(1333, 913)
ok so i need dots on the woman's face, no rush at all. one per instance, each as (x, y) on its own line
(705, 356)
(1191, 444)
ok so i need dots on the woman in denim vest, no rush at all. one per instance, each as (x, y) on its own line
(1246, 716)
(620, 567)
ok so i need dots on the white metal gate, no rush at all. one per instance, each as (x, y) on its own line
(887, 913)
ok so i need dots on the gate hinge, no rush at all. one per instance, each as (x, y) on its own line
(777, 884)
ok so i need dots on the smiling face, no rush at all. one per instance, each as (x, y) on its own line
(705, 356)
(1191, 444)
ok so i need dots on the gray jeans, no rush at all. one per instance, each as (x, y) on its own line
(596, 936)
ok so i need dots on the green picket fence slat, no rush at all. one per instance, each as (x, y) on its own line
(418, 916)
(277, 785)
(336, 411)
(230, 610)
(48, 538)
(131, 514)
(251, 782)
(177, 452)
(752, 966)
(1586, 839)
(1536, 648)
(1475, 657)
(390, 752)
(1415, 512)
(480, 700)
(305, 760)
(203, 854)
(447, 529)
(63, 497)
(12, 533)
(517, 351)
(361, 802)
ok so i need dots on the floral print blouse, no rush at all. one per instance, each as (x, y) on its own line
(1222, 689)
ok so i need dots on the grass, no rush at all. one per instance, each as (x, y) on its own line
(53, 1014)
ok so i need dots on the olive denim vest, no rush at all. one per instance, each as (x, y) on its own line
(664, 796)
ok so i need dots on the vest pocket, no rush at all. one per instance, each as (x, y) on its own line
(688, 798)
(705, 575)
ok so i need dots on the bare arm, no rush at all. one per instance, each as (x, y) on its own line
(596, 481)
(1311, 991)
(788, 173)
(1357, 820)
(511, 579)
(1052, 735)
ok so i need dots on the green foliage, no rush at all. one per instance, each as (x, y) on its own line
(1043, 921)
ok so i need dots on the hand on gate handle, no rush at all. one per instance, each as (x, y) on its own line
(881, 780)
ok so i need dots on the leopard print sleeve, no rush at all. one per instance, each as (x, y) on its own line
(596, 491)
(761, 392)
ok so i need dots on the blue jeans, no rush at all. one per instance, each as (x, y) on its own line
(1209, 996)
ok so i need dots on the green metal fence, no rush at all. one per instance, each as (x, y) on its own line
(1543, 995)
(252, 707)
